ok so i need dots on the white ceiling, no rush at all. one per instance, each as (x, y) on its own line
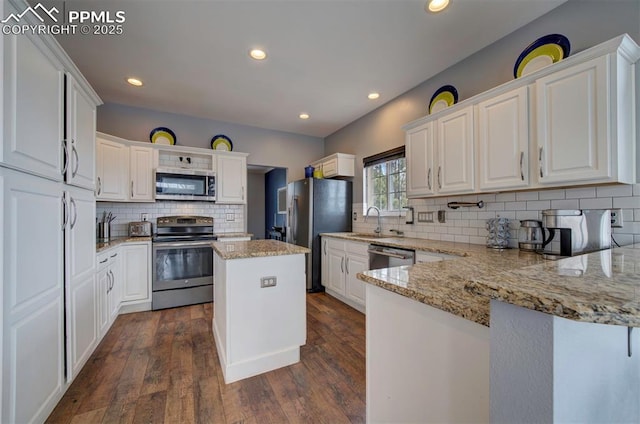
(325, 56)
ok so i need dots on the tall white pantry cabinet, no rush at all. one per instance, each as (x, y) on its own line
(47, 210)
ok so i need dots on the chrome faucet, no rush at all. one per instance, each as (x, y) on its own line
(378, 230)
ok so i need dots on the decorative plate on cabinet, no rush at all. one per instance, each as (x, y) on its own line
(221, 142)
(444, 97)
(162, 135)
(543, 52)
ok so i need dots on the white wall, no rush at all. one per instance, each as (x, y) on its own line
(127, 212)
(467, 225)
(265, 147)
(585, 22)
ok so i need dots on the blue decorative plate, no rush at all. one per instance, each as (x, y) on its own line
(221, 142)
(162, 135)
(444, 97)
(543, 52)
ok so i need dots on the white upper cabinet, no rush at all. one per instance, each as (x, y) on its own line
(141, 184)
(231, 178)
(112, 170)
(33, 107)
(503, 141)
(454, 143)
(420, 153)
(80, 137)
(576, 131)
(570, 123)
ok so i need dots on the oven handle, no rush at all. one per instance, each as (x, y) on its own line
(183, 244)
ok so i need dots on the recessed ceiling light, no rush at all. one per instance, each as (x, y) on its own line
(436, 5)
(135, 81)
(304, 116)
(373, 96)
(258, 54)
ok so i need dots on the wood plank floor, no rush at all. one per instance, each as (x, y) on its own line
(162, 366)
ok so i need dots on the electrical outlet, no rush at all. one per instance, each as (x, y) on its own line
(441, 217)
(231, 217)
(425, 216)
(144, 217)
(616, 218)
(355, 216)
(268, 281)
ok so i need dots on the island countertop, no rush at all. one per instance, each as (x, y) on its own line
(600, 287)
(255, 249)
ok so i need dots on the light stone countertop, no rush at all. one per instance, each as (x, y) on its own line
(255, 249)
(113, 242)
(600, 287)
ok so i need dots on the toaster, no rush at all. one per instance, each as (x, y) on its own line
(140, 229)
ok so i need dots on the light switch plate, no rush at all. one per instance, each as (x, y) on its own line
(231, 217)
(268, 281)
(441, 217)
(425, 216)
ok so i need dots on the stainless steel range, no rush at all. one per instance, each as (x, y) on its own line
(182, 261)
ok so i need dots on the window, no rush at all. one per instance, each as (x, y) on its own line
(385, 180)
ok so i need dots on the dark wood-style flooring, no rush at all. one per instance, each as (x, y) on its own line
(162, 366)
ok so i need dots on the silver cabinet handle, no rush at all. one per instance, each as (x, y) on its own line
(132, 189)
(105, 260)
(429, 178)
(108, 281)
(114, 255)
(66, 157)
(65, 214)
(347, 265)
(113, 279)
(521, 168)
(242, 192)
(77, 159)
(99, 186)
(325, 247)
(74, 209)
(342, 265)
(540, 163)
(439, 176)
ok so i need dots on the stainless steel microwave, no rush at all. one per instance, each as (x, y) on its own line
(185, 184)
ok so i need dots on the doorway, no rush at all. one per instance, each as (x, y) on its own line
(263, 218)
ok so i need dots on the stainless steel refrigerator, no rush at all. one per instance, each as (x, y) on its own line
(317, 206)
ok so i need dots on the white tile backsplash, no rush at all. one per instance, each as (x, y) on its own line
(127, 212)
(467, 225)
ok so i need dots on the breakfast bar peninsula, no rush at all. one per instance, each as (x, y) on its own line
(259, 319)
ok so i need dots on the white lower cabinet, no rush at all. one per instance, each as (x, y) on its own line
(109, 288)
(136, 272)
(341, 263)
(32, 289)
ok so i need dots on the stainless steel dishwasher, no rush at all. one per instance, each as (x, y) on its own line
(387, 257)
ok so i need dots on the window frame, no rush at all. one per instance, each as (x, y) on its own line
(385, 158)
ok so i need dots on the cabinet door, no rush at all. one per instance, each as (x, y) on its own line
(32, 284)
(503, 141)
(420, 154)
(141, 186)
(103, 282)
(81, 292)
(573, 117)
(355, 289)
(336, 270)
(80, 137)
(231, 179)
(324, 270)
(136, 272)
(455, 172)
(115, 290)
(33, 107)
(112, 169)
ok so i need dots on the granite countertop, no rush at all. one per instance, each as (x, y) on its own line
(600, 287)
(113, 242)
(256, 249)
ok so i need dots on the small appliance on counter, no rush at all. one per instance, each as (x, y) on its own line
(140, 229)
(581, 231)
(530, 235)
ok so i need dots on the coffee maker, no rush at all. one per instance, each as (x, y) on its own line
(580, 231)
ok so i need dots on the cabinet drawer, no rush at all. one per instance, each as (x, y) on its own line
(104, 259)
(330, 168)
(357, 248)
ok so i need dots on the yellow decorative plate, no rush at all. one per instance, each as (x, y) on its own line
(444, 97)
(162, 135)
(543, 52)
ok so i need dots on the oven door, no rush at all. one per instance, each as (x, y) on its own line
(181, 265)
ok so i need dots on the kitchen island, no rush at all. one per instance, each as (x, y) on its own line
(259, 320)
(551, 336)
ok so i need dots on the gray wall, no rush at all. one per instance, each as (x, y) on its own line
(585, 22)
(265, 147)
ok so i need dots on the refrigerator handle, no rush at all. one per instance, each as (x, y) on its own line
(293, 219)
